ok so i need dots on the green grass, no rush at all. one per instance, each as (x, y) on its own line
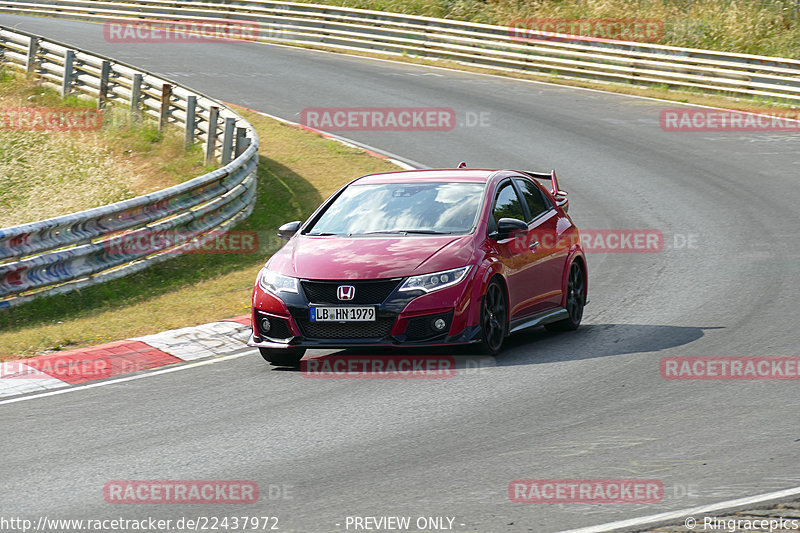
(297, 170)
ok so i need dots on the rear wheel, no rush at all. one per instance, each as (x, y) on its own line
(494, 319)
(282, 356)
(576, 300)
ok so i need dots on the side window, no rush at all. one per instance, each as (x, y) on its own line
(537, 202)
(507, 204)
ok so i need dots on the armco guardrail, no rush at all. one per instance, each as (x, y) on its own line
(480, 44)
(72, 251)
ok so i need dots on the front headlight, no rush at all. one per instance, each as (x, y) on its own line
(275, 283)
(436, 280)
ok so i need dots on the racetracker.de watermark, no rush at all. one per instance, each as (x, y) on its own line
(50, 119)
(711, 120)
(383, 118)
(67, 368)
(598, 241)
(144, 242)
(586, 491)
(379, 367)
(180, 492)
(542, 29)
(182, 31)
(744, 368)
(622, 240)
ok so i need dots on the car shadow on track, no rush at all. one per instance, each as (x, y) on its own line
(535, 346)
(538, 346)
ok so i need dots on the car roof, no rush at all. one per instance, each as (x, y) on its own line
(430, 175)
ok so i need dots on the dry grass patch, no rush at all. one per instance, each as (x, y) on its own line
(47, 174)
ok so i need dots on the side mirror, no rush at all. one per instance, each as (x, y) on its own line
(288, 230)
(509, 227)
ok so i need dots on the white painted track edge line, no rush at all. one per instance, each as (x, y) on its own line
(239, 353)
(682, 513)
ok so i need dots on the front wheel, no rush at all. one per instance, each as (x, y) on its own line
(576, 300)
(494, 319)
(282, 356)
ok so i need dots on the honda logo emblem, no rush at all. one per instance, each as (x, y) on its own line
(346, 292)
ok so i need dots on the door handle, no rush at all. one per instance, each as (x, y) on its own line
(533, 246)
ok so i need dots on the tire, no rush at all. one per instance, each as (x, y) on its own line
(283, 356)
(576, 300)
(494, 319)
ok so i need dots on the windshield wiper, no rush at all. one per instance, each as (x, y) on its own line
(406, 232)
(322, 234)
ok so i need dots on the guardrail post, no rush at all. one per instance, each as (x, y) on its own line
(242, 142)
(105, 73)
(166, 94)
(191, 121)
(211, 140)
(136, 95)
(33, 50)
(227, 140)
(61, 241)
(66, 81)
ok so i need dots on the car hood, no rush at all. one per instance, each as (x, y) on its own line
(340, 258)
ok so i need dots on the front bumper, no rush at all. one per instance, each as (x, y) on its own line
(402, 318)
(467, 337)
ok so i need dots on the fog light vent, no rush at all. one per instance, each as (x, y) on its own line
(427, 327)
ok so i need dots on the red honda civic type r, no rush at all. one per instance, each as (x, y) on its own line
(423, 258)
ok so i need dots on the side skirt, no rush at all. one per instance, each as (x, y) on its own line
(544, 317)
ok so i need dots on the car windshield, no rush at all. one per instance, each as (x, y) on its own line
(402, 208)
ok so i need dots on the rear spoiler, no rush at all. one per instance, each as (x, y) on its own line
(559, 195)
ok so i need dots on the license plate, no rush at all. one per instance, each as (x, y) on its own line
(342, 314)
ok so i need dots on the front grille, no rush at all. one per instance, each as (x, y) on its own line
(372, 292)
(421, 328)
(342, 330)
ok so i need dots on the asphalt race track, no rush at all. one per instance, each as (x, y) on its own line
(587, 405)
